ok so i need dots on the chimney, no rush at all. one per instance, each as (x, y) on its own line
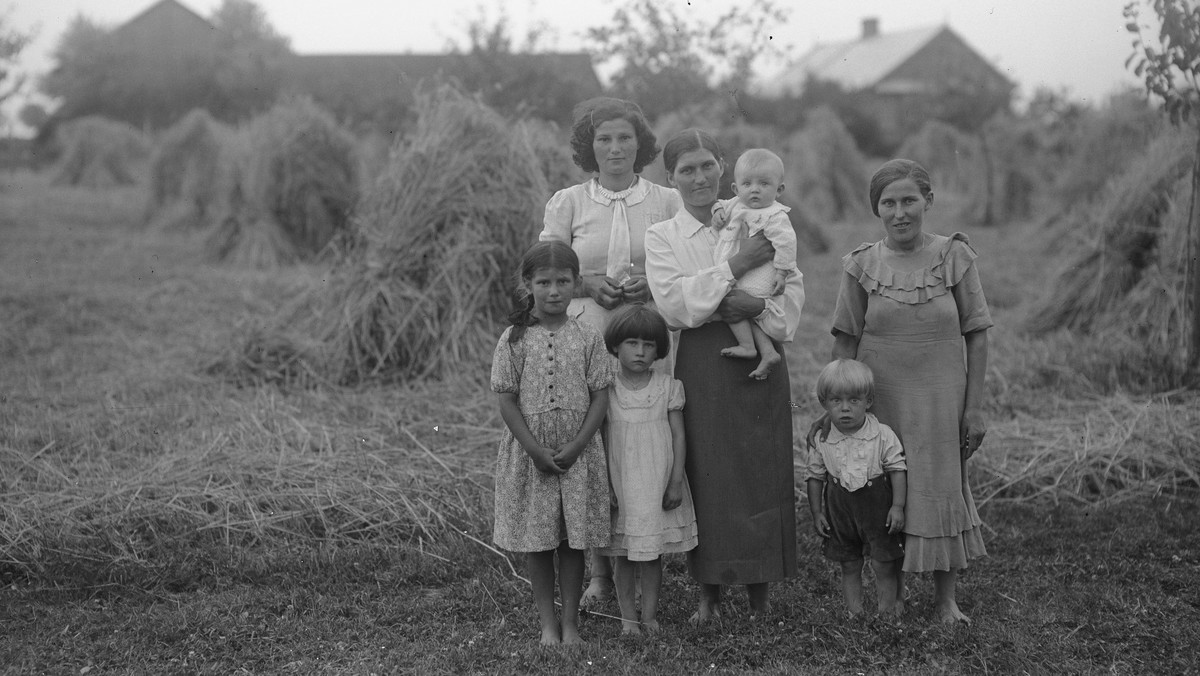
(870, 27)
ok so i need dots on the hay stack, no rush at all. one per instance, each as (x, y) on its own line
(827, 172)
(423, 288)
(99, 153)
(184, 173)
(954, 159)
(1129, 238)
(552, 147)
(287, 189)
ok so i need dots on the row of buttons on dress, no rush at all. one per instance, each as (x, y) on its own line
(550, 369)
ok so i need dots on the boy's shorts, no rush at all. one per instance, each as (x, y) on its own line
(857, 522)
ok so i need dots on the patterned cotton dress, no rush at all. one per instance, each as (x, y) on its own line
(639, 463)
(553, 373)
(910, 314)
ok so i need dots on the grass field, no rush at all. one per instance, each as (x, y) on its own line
(159, 517)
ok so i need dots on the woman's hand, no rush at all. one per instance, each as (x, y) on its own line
(738, 305)
(604, 290)
(752, 252)
(637, 289)
(673, 496)
(971, 429)
(820, 426)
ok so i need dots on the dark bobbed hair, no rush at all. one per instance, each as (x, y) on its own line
(845, 377)
(685, 142)
(897, 170)
(592, 113)
(637, 320)
(552, 255)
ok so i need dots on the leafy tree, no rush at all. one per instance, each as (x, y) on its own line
(12, 42)
(249, 60)
(1169, 62)
(669, 58)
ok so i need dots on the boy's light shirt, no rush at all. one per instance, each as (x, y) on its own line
(855, 458)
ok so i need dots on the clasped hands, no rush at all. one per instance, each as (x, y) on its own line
(609, 294)
(555, 460)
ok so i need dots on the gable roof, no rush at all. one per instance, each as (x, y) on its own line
(176, 10)
(862, 63)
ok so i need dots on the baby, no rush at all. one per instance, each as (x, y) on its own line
(758, 181)
(857, 486)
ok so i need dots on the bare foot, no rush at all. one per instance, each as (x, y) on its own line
(598, 592)
(765, 366)
(741, 352)
(630, 628)
(550, 636)
(570, 635)
(950, 614)
(651, 627)
(707, 611)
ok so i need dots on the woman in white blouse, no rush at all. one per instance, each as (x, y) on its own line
(604, 219)
(739, 430)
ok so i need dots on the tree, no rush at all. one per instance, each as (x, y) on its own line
(669, 59)
(249, 60)
(1169, 62)
(12, 42)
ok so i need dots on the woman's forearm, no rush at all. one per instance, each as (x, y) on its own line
(977, 359)
(845, 345)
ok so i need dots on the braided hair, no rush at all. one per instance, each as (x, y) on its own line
(548, 255)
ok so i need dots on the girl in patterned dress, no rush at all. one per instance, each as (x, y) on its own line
(646, 452)
(552, 375)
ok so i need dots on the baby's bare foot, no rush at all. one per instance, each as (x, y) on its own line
(765, 366)
(741, 352)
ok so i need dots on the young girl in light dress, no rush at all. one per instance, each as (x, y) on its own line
(552, 376)
(646, 451)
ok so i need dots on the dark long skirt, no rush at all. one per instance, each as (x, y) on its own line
(739, 462)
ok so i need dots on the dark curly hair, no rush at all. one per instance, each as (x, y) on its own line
(594, 112)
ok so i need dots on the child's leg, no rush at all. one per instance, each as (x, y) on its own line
(945, 583)
(770, 357)
(760, 600)
(541, 576)
(852, 585)
(651, 583)
(600, 585)
(625, 575)
(745, 337)
(887, 582)
(570, 586)
(710, 603)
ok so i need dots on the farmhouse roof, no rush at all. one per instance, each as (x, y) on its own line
(862, 63)
(173, 8)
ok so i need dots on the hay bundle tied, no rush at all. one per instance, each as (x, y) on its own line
(1132, 235)
(425, 284)
(826, 169)
(184, 171)
(954, 159)
(287, 189)
(100, 153)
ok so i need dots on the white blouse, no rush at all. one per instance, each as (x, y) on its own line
(688, 284)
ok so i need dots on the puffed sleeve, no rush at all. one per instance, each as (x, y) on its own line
(815, 467)
(600, 371)
(506, 375)
(675, 396)
(892, 455)
(851, 309)
(781, 314)
(558, 219)
(973, 312)
(685, 298)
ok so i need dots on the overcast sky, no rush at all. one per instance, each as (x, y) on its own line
(1078, 46)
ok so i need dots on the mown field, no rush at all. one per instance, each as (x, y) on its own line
(160, 516)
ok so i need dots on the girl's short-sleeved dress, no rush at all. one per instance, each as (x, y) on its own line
(910, 314)
(553, 374)
(639, 464)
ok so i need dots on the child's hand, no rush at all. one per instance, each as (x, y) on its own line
(720, 216)
(566, 455)
(673, 496)
(821, 524)
(895, 519)
(779, 283)
(543, 460)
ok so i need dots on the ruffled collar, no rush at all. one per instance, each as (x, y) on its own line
(634, 194)
(868, 432)
(951, 257)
